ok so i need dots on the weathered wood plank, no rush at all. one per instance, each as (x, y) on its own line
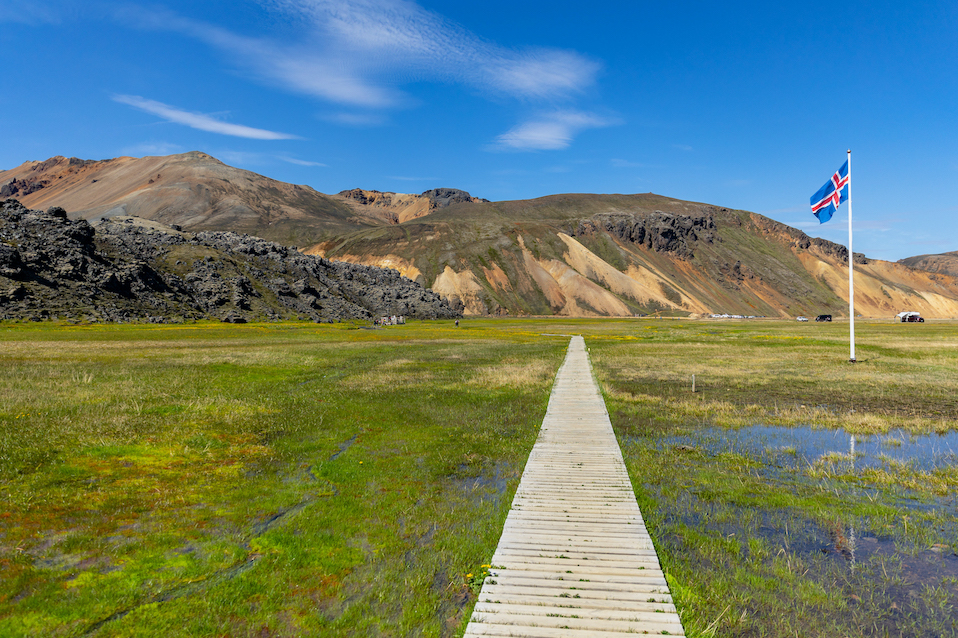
(575, 558)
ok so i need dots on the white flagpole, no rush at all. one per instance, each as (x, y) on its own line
(851, 261)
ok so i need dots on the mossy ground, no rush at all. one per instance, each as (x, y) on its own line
(295, 479)
(813, 547)
(258, 480)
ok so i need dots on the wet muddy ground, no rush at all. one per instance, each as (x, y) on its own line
(782, 531)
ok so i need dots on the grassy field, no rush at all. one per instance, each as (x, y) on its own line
(258, 480)
(298, 479)
(759, 539)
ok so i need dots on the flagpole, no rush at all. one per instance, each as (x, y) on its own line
(851, 268)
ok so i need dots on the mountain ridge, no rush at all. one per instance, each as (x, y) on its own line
(566, 254)
(193, 190)
(129, 269)
(945, 263)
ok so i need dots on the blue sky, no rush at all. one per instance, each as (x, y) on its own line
(740, 104)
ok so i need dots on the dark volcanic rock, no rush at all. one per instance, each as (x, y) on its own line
(442, 197)
(10, 189)
(22, 187)
(360, 196)
(125, 268)
(10, 261)
(438, 197)
(658, 231)
(800, 240)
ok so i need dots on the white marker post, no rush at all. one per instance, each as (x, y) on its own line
(851, 268)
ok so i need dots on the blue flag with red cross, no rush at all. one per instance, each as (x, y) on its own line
(830, 196)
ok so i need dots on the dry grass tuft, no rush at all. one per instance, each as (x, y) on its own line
(513, 374)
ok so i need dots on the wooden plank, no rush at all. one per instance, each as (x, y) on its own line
(636, 594)
(575, 558)
(531, 600)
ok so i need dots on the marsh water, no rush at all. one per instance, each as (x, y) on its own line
(794, 448)
(887, 546)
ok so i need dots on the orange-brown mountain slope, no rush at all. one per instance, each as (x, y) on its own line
(396, 208)
(572, 254)
(595, 255)
(192, 190)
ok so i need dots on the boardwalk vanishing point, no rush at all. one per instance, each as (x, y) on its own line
(575, 558)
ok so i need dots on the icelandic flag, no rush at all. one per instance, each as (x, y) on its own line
(830, 196)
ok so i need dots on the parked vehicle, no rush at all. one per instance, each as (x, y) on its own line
(801, 319)
(910, 317)
(823, 318)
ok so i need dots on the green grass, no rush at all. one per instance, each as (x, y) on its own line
(260, 479)
(817, 549)
(295, 479)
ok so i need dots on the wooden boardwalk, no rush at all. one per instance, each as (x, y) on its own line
(575, 558)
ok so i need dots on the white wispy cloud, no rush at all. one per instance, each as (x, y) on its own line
(541, 73)
(199, 121)
(549, 132)
(359, 52)
(242, 159)
(299, 162)
(365, 53)
(245, 158)
(359, 120)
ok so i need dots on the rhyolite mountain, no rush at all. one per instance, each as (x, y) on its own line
(199, 192)
(192, 190)
(571, 254)
(944, 263)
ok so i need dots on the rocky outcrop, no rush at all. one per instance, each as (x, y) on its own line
(437, 197)
(443, 197)
(365, 198)
(22, 187)
(126, 268)
(658, 231)
(677, 234)
(943, 263)
(798, 239)
(396, 208)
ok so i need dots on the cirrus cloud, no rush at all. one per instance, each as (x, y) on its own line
(362, 53)
(199, 121)
(358, 52)
(549, 132)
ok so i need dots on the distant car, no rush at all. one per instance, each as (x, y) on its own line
(823, 318)
(910, 317)
(801, 318)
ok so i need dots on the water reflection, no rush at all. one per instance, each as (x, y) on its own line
(798, 447)
(809, 455)
(898, 575)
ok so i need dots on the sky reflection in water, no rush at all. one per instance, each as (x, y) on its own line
(795, 448)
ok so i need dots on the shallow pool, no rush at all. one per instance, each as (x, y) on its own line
(799, 447)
